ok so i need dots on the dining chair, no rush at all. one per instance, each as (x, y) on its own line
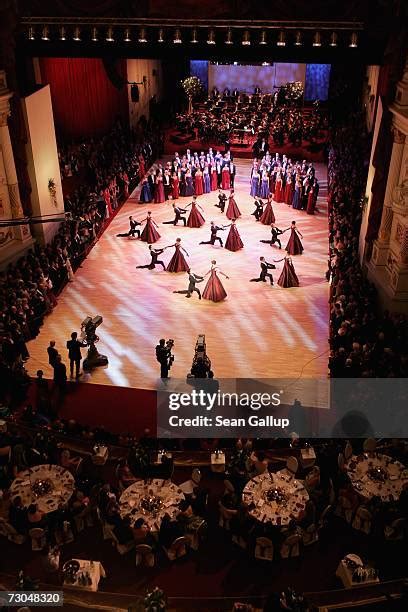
(225, 516)
(264, 549)
(362, 520)
(8, 531)
(310, 535)
(145, 555)
(290, 547)
(38, 538)
(292, 464)
(177, 549)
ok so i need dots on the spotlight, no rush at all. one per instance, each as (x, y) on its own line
(45, 35)
(142, 36)
(31, 33)
(177, 37)
(94, 35)
(228, 38)
(333, 39)
(109, 35)
(62, 33)
(77, 33)
(246, 38)
(353, 40)
(298, 39)
(262, 39)
(211, 37)
(317, 40)
(281, 42)
(194, 38)
(160, 37)
(126, 36)
(265, 64)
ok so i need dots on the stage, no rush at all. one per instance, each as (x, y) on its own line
(257, 332)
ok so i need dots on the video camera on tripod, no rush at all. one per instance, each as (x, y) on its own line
(201, 363)
(89, 338)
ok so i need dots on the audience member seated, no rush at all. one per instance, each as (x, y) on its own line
(18, 515)
(35, 517)
(170, 530)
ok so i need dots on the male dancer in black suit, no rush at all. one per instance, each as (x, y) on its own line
(222, 200)
(258, 210)
(214, 229)
(179, 212)
(154, 253)
(265, 266)
(132, 230)
(275, 232)
(192, 280)
(233, 171)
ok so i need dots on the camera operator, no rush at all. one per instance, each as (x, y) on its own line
(164, 356)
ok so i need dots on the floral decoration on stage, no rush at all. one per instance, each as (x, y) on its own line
(193, 87)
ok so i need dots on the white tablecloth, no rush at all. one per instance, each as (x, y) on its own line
(62, 486)
(278, 513)
(359, 468)
(169, 494)
(95, 571)
(218, 462)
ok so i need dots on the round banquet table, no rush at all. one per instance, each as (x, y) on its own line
(59, 480)
(277, 512)
(166, 494)
(377, 475)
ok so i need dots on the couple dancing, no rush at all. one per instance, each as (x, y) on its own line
(177, 263)
(233, 242)
(214, 290)
(195, 218)
(288, 277)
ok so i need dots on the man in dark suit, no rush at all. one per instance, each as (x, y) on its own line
(222, 200)
(214, 229)
(192, 280)
(258, 209)
(154, 253)
(132, 229)
(60, 376)
(52, 353)
(74, 354)
(275, 233)
(178, 212)
(265, 266)
(233, 171)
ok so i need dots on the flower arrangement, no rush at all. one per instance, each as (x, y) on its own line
(192, 86)
(151, 504)
(42, 487)
(155, 601)
(275, 494)
(378, 474)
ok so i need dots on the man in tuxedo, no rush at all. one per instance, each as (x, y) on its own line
(265, 266)
(275, 233)
(154, 253)
(192, 280)
(74, 353)
(233, 171)
(258, 209)
(214, 229)
(60, 377)
(132, 229)
(52, 353)
(178, 212)
(263, 147)
(222, 200)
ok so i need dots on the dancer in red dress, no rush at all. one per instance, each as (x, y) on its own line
(288, 277)
(278, 188)
(311, 201)
(268, 216)
(195, 218)
(149, 232)
(178, 263)
(233, 211)
(294, 246)
(289, 189)
(198, 183)
(226, 178)
(159, 195)
(175, 186)
(214, 182)
(214, 291)
(233, 242)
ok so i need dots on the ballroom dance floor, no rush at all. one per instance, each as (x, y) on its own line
(257, 332)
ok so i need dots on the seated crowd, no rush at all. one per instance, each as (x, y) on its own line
(107, 170)
(363, 341)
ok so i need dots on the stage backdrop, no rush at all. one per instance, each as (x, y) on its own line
(84, 100)
(246, 78)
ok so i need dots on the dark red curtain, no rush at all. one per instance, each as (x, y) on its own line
(84, 101)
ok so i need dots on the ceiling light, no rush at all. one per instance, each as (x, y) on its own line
(45, 33)
(194, 38)
(109, 35)
(298, 39)
(317, 40)
(228, 38)
(211, 37)
(77, 33)
(333, 39)
(62, 33)
(281, 42)
(177, 37)
(353, 41)
(262, 39)
(142, 36)
(126, 36)
(246, 38)
(160, 37)
(94, 35)
(31, 33)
